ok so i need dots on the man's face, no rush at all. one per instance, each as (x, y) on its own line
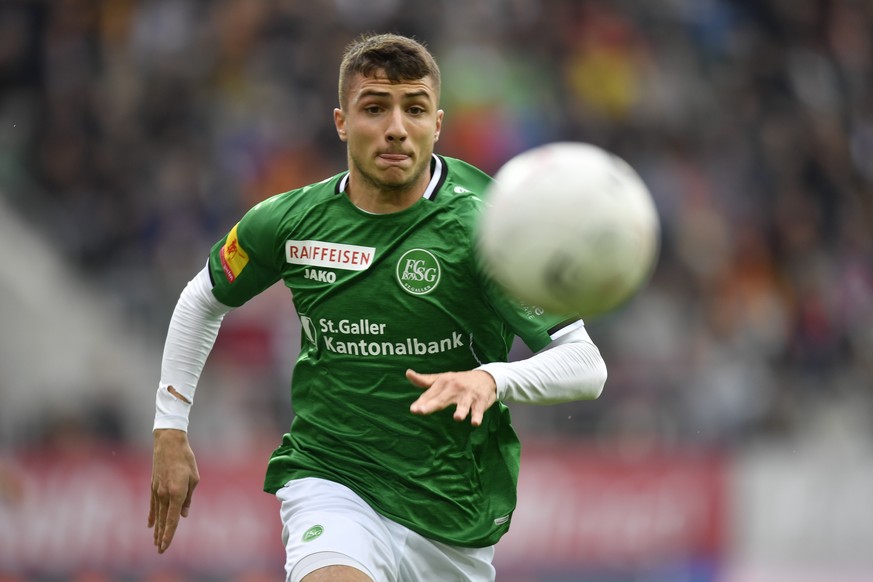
(390, 129)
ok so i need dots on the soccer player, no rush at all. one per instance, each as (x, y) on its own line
(401, 463)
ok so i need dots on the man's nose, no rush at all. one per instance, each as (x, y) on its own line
(396, 129)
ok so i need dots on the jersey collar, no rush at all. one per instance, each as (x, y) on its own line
(437, 177)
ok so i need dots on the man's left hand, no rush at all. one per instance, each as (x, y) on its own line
(472, 392)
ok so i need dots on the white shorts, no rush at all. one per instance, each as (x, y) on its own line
(326, 524)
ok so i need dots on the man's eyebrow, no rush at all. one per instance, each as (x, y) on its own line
(415, 94)
(372, 93)
(381, 94)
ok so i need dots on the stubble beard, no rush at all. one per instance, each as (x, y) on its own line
(391, 187)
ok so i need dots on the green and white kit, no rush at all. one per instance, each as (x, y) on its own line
(376, 295)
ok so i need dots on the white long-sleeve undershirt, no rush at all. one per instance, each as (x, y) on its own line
(191, 335)
(569, 368)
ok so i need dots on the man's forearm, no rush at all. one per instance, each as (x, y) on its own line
(190, 337)
(572, 369)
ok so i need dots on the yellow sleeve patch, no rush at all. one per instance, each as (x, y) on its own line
(233, 257)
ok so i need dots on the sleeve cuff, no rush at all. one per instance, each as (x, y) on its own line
(496, 369)
(171, 421)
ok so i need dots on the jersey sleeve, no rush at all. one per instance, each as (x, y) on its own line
(248, 259)
(532, 324)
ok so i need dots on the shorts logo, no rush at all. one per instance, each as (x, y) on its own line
(418, 271)
(312, 533)
(233, 257)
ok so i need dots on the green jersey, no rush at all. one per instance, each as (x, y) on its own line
(376, 295)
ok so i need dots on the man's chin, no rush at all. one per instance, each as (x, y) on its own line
(393, 178)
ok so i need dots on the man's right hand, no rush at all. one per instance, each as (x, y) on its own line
(174, 477)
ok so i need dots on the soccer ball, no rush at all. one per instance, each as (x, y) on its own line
(570, 228)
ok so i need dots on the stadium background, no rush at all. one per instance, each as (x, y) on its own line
(733, 440)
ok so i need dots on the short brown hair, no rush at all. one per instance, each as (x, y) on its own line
(401, 59)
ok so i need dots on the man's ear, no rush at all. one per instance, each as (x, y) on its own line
(439, 125)
(339, 120)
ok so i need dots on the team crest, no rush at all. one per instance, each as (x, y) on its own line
(418, 272)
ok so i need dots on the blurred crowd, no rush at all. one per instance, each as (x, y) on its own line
(134, 133)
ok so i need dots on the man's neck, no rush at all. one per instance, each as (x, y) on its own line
(378, 201)
(374, 199)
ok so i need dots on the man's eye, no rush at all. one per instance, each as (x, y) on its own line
(416, 110)
(372, 109)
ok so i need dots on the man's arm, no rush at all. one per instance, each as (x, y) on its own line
(570, 368)
(191, 335)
